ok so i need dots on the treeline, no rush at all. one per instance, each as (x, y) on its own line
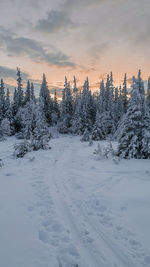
(113, 112)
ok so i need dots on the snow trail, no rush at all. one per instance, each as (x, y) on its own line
(97, 246)
(75, 211)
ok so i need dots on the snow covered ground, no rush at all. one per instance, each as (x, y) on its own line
(64, 208)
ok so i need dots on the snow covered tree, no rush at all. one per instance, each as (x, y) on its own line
(118, 106)
(8, 113)
(6, 127)
(75, 89)
(140, 83)
(125, 94)
(56, 111)
(14, 104)
(101, 107)
(134, 141)
(32, 93)
(27, 97)
(20, 96)
(76, 119)
(88, 109)
(18, 103)
(40, 133)
(63, 102)
(7, 106)
(148, 94)
(47, 101)
(2, 100)
(66, 109)
(103, 126)
(22, 148)
(111, 96)
(104, 123)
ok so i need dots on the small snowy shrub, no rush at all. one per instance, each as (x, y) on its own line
(86, 136)
(2, 138)
(21, 149)
(20, 135)
(98, 151)
(104, 152)
(40, 141)
(62, 128)
(5, 127)
(42, 144)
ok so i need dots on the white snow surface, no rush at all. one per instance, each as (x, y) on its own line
(64, 208)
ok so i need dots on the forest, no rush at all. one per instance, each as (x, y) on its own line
(121, 114)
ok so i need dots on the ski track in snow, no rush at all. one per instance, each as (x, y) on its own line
(75, 222)
(85, 242)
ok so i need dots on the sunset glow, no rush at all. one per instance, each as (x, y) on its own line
(68, 37)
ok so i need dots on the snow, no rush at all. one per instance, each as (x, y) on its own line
(64, 208)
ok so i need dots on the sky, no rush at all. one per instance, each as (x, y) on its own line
(74, 37)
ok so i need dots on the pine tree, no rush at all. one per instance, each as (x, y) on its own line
(2, 100)
(7, 106)
(140, 83)
(14, 105)
(75, 89)
(134, 141)
(76, 120)
(101, 100)
(125, 94)
(56, 112)
(148, 94)
(85, 113)
(66, 109)
(8, 114)
(32, 93)
(27, 97)
(111, 96)
(47, 101)
(20, 96)
(118, 106)
(40, 133)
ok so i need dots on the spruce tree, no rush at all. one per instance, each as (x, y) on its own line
(101, 99)
(66, 109)
(134, 141)
(2, 100)
(148, 94)
(75, 89)
(32, 93)
(47, 101)
(20, 96)
(40, 133)
(125, 94)
(27, 97)
(56, 111)
(7, 106)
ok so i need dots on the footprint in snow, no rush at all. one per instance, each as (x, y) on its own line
(134, 243)
(30, 208)
(43, 236)
(47, 222)
(9, 174)
(123, 209)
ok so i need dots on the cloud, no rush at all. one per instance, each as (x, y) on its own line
(21, 46)
(54, 21)
(96, 51)
(6, 72)
(57, 20)
(71, 4)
